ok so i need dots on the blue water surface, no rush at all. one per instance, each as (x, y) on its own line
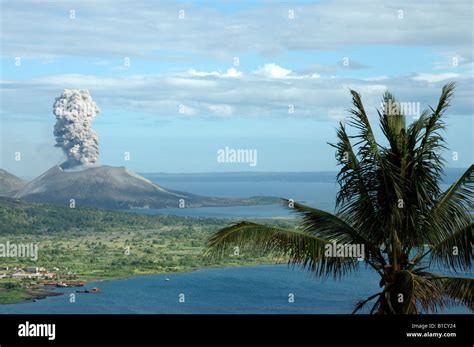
(250, 289)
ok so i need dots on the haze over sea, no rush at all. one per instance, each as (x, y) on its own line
(256, 289)
(317, 189)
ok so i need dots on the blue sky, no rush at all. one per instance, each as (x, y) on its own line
(183, 97)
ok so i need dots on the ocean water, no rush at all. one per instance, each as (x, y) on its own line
(257, 289)
(315, 190)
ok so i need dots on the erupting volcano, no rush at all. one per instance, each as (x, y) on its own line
(83, 179)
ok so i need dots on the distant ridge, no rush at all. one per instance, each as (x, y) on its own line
(115, 188)
(9, 182)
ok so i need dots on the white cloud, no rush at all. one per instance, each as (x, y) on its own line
(188, 82)
(194, 72)
(263, 28)
(221, 110)
(378, 89)
(267, 71)
(273, 71)
(376, 78)
(432, 78)
(251, 95)
(231, 72)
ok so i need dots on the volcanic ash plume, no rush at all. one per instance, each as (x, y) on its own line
(75, 110)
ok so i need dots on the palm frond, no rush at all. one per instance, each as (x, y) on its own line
(445, 98)
(334, 229)
(456, 250)
(428, 294)
(435, 292)
(362, 303)
(300, 248)
(392, 121)
(460, 289)
(356, 198)
(427, 160)
(449, 222)
(360, 121)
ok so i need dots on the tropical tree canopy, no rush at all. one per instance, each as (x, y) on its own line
(390, 201)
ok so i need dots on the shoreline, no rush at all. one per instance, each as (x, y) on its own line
(43, 293)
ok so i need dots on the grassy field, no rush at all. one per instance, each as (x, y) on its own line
(92, 244)
(11, 292)
(90, 255)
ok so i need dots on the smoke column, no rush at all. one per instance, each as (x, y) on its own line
(75, 110)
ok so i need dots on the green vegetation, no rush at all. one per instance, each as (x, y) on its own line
(390, 202)
(92, 244)
(23, 218)
(10, 292)
(92, 255)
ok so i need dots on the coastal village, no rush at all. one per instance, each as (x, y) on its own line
(34, 277)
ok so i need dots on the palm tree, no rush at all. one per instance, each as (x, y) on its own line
(389, 201)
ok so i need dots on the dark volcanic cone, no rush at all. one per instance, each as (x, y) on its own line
(115, 188)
